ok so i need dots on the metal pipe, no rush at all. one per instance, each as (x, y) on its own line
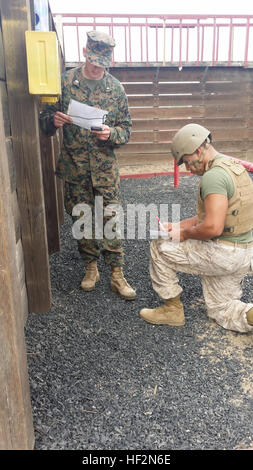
(246, 44)
(230, 50)
(129, 36)
(164, 41)
(197, 42)
(147, 61)
(78, 43)
(214, 41)
(180, 43)
(176, 175)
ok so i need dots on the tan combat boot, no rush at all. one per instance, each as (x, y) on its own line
(120, 285)
(249, 315)
(171, 313)
(91, 277)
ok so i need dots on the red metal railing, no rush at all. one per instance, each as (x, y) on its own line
(163, 39)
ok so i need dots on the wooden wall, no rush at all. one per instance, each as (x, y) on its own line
(24, 120)
(15, 212)
(31, 210)
(162, 100)
(16, 427)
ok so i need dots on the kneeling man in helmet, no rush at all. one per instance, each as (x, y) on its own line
(217, 243)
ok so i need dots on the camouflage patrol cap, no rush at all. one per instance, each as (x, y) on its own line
(99, 48)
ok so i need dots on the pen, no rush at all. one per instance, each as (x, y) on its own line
(161, 225)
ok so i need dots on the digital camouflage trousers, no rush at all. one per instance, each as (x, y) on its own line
(221, 268)
(77, 197)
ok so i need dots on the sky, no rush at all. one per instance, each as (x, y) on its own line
(241, 7)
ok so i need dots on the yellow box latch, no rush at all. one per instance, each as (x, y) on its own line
(43, 64)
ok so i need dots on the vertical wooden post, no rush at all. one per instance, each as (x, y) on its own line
(50, 193)
(16, 427)
(26, 146)
(57, 142)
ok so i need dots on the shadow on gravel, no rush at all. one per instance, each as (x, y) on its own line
(102, 378)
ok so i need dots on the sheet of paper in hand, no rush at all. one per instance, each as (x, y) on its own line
(86, 116)
(154, 234)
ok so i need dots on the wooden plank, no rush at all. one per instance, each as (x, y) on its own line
(248, 155)
(164, 74)
(186, 100)
(226, 73)
(11, 162)
(164, 146)
(233, 145)
(16, 216)
(139, 88)
(2, 65)
(5, 107)
(57, 142)
(175, 112)
(145, 124)
(178, 88)
(225, 87)
(237, 74)
(25, 132)
(144, 159)
(135, 74)
(135, 159)
(167, 124)
(250, 87)
(172, 74)
(16, 424)
(233, 134)
(167, 135)
(146, 136)
(226, 111)
(145, 147)
(20, 263)
(50, 193)
(141, 100)
(180, 100)
(214, 99)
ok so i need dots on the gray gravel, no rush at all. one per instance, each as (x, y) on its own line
(102, 378)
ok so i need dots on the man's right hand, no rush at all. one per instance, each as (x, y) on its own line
(60, 119)
(165, 226)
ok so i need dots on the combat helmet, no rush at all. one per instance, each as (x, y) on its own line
(187, 140)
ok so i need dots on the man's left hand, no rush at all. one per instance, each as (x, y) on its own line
(104, 134)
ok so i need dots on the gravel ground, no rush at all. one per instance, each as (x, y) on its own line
(102, 378)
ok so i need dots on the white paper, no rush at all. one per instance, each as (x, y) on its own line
(86, 116)
(158, 234)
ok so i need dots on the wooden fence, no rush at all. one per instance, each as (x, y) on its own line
(162, 100)
(31, 211)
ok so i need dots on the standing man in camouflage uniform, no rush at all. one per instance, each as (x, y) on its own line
(88, 163)
(217, 243)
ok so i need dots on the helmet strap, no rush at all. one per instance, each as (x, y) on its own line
(198, 162)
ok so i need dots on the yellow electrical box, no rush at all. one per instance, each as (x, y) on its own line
(43, 64)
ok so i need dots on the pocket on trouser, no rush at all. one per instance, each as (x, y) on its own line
(227, 260)
(68, 203)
